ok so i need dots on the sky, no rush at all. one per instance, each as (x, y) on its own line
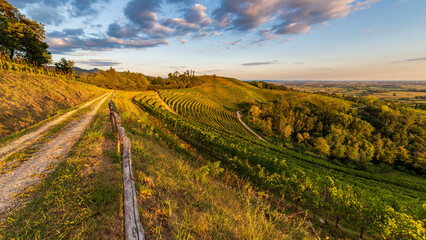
(244, 39)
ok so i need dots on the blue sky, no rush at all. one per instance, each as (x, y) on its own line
(245, 39)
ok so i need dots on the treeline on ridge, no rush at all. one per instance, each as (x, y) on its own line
(112, 79)
(265, 85)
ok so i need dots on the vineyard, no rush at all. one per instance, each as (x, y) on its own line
(379, 204)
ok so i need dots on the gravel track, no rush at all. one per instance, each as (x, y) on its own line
(28, 139)
(44, 161)
(248, 128)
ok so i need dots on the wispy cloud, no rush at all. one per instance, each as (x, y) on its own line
(416, 59)
(100, 62)
(364, 5)
(176, 67)
(259, 63)
(322, 69)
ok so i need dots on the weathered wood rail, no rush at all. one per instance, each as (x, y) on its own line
(132, 224)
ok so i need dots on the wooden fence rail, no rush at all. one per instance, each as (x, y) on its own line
(132, 223)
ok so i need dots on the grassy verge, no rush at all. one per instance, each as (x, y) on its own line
(183, 195)
(27, 99)
(81, 198)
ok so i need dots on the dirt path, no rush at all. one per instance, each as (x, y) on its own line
(28, 139)
(15, 182)
(248, 128)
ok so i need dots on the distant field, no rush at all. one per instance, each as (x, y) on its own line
(397, 95)
(397, 91)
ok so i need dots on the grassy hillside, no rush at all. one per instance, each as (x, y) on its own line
(356, 201)
(26, 99)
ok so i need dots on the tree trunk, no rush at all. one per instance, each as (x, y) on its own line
(326, 217)
(12, 52)
(315, 213)
(337, 222)
(362, 231)
(297, 204)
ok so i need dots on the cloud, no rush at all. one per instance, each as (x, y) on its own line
(143, 13)
(243, 15)
(415, 59)
(141, 25)
(259, 63)
(364, 5)
(86, 7)
(287, 16)
(47, 11)
(67, 32)
(46, 15)
(369, 31)
(127, 31)
(176, 67)
(70, 40)
(198, 14)
(100, 62)
(213, 71)
(265, 35)
(143, 20)
(180, 26)
(322, 69)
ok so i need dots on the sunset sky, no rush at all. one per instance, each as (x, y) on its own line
(245, 39)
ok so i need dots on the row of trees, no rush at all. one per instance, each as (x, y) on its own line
(377, 132)
(265, 85)
(138, 82)
(22, 36)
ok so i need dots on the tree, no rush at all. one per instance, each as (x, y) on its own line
(65, 66)
(22, 36)
(322, 146)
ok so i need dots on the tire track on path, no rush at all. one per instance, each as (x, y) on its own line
(30, 138)
(44, 161)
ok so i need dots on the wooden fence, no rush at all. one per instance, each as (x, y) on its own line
(132, 224)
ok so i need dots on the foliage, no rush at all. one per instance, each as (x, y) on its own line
(65, 66)
(22, 36)
(112, 79)
(265, 85)
(379, 132)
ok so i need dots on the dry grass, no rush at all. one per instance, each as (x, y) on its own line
(28, 99)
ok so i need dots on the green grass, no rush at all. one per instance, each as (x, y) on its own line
(81, 198)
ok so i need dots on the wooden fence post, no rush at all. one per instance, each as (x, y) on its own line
(132, 223)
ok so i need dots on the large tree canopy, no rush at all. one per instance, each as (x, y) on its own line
(22, 36)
